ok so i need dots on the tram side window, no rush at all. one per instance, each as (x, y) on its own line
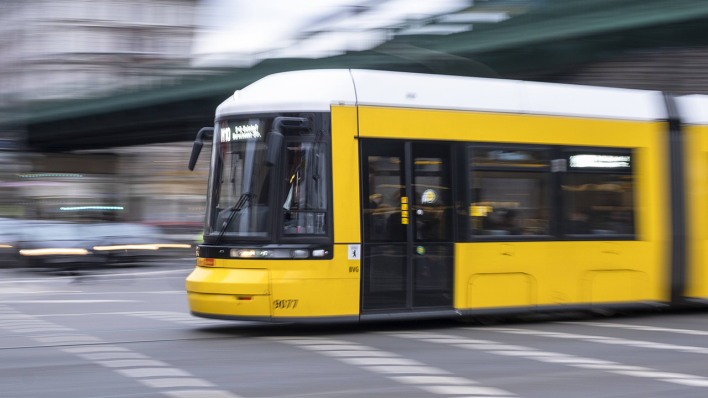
(510, 192)
(598, 195)
(305, 203)
(383, 211)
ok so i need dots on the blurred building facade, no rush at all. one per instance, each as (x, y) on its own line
(146, 184)
(135, 99)
(65, 49)
(58, 50)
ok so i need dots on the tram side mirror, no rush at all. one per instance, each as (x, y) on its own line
(197, 147)
(273, 145)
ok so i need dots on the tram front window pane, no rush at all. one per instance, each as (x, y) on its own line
(599, 204)
(305, 189)
(238, 169)
(509, 203)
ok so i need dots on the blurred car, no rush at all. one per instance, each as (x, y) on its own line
(126, 243)
(10, 235)
(57, 245)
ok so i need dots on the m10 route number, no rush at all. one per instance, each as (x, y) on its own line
(285, 304)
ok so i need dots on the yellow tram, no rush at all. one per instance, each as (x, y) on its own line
(352, 195)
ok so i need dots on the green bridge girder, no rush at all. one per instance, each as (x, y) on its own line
(553, 36)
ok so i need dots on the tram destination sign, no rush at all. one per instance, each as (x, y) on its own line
(237, 133)
(599, 161)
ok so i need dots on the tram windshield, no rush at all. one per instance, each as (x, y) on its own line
(238, 172)
(237, 168)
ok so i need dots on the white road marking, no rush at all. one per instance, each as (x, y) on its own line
(79, 292)
(6, 291)
(337, 347)
(419, 375)
(112, 355)
(75, 339)
(688, 382)
(358, 354)
(452, 341)
(154, 372)
(425, 370)
(529, 353)
(115, 357)
(83, 314)
(65, 301)
(652, 374)
(130, 313)
(135, 363)
(200, 394)
(92, 276)
(22, 326)
(605, 340)
(609, 367)
(19, 328)
(496, 347)
(459, 381)
(640, 327)
(176, 317)
(42, 330)
(176, 382)
(380, 361)
(435, 338)
(465, 390)
(102, 348)
(570, 360)
(305, 342)
(17, 320)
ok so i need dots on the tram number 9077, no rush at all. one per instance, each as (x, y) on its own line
(285, 304)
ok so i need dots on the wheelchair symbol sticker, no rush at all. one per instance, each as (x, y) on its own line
(354, 252)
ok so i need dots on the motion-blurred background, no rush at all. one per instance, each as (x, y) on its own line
(100, 99)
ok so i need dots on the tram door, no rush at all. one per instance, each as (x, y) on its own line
(408, 233)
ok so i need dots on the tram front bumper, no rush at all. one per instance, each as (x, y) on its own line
(229, 293)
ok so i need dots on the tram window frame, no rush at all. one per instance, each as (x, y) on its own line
(321, 125)
(469, 199)
(566, 153)
(366, 221)
(328, 236)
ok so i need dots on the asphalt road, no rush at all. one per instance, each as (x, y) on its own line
(127, 333)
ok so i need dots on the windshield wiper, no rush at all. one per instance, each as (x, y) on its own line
(242, 203)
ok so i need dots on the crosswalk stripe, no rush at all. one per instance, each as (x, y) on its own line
(176, 382)
(639, 327)
(153, 372)
(577, 361)
(407, 371)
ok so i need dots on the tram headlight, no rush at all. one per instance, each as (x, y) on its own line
(301, 253)
(255, 253)
(246, 253)
(270, 253)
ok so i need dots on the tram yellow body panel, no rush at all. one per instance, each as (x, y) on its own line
(696, 166)
(551, 273)
(290, 288)
(345, 175)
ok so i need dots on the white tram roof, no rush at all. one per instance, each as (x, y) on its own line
(318, 90)
(693, 109)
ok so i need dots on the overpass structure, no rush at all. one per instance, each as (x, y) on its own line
(550, 39)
